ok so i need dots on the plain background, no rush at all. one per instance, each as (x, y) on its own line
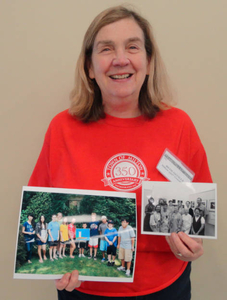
(40, 42)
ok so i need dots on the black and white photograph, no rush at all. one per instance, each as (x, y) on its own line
(61, 230)
(173, 207)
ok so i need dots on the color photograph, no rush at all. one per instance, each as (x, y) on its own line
(61, 230)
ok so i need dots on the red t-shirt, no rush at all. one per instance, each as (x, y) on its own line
(72, 231)
(118, 154)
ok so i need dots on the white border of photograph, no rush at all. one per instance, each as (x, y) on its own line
(76, 192)
(186, 191)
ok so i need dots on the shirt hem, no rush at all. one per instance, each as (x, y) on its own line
(140, 293)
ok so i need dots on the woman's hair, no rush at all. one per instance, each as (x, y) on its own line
(44, 223)
(155, 93)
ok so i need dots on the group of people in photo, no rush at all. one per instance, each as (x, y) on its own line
(61, 231)
(175, 216)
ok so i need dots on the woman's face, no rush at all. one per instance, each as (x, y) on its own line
(197, 212)
(42, 219)
(119, 66)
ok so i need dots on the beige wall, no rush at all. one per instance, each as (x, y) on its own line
(40, 42)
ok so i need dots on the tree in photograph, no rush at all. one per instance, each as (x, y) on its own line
(60, 203)
(115, 208)
(39, 204)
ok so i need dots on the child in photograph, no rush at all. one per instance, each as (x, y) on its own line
(53, 231)
(126, 240)
(41, 238)
(82, 245)
(103, 245)
(29, 233)
(186, 221)
(93, 241)
(59, 220)
(111, 238)
(198, 223)
(72, 236)
(64, 237)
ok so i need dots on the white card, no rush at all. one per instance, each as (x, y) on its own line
(173, 168)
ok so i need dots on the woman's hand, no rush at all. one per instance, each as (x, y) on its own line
(184, 247)
(68, 282)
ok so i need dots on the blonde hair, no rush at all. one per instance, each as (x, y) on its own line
(155, 94)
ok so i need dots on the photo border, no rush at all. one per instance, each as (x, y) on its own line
(76, 192)
(195, 186)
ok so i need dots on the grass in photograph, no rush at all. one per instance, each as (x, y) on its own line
(85, 266)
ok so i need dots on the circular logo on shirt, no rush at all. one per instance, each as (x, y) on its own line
(124, 172)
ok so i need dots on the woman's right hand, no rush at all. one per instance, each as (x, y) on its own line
(68, 282)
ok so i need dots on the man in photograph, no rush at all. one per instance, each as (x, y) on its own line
(190, 210)
(201, 207)
(102, 227)
(53, 232)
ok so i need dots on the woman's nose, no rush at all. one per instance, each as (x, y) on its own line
(121, 58)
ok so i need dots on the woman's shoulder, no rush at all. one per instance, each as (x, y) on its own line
(175, 113)
(62, 117)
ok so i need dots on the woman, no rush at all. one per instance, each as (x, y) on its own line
(155, 219)
(41, 238)
(112, 138)
(64, 237)
(72, 236)
(149, 209)
(175, 221)
(29, 233)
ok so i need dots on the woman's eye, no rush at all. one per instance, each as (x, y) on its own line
(105, 49)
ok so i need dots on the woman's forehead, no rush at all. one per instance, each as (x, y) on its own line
(125, 29)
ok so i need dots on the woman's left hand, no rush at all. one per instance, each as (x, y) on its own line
(69, 281)
(184, 247)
